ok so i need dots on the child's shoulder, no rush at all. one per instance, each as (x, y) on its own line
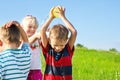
(25, 45)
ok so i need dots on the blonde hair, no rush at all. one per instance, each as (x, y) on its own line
(59, 31)
(29, 18)
(10, 34)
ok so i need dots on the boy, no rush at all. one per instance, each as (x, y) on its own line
(58, 49)
(14, 62)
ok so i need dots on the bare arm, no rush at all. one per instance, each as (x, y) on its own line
(71, 28)
(73, 35)
(34, 37)
(44, 28)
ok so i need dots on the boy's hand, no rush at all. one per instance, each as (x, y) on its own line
(51, 13)
(60, 11)
(8, 24)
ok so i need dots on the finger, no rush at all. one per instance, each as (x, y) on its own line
(59, 7)
(7, 24)
(63, 8)
(51, 10)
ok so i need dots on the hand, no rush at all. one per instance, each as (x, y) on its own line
(61, 11)
(37, 35)
(51, 13)
(8, 24)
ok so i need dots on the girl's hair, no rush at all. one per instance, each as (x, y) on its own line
(10, 34)
(29, 18)
(59, 31)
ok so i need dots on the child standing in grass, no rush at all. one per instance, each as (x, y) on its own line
(14, 62)
(58, 48)
(30, 25)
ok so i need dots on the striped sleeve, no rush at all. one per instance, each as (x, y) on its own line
(0, 70)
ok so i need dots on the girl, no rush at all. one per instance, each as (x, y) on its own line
(30, 25)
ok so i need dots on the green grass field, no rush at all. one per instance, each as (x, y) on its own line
(94, 65)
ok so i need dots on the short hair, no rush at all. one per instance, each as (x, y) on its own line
(11, 34)
(31, 18)
(59, 32)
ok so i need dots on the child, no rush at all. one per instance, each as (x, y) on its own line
(30, 25)
(58, 49)
(14, 62)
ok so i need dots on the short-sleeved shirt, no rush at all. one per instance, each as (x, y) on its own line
(58, 65)
(15, 63)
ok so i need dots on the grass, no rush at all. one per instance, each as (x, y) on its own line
(94, 65)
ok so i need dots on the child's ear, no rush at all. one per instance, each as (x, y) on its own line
(1, 43)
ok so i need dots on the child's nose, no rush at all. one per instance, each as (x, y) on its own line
(32, 28)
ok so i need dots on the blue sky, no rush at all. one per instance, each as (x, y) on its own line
(97, 21)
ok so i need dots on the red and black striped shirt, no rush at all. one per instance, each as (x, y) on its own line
(58, 65)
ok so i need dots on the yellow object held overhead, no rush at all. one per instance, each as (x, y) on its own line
(56, 12)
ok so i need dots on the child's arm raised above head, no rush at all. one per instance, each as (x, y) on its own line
(44, 28)
(73, 31)
(71, 28)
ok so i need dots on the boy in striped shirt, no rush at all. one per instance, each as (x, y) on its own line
(14, 62)
(58, 49)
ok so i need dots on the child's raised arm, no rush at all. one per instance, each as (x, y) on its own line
(44, 28)
(71, 28)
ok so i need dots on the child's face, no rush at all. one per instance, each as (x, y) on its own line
(30, 29)
(57, 45)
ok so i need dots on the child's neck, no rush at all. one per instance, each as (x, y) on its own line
(11, 46)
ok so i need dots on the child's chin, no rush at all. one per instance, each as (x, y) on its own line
(58, 50)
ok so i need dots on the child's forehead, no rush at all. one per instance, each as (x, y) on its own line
(58, 43)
